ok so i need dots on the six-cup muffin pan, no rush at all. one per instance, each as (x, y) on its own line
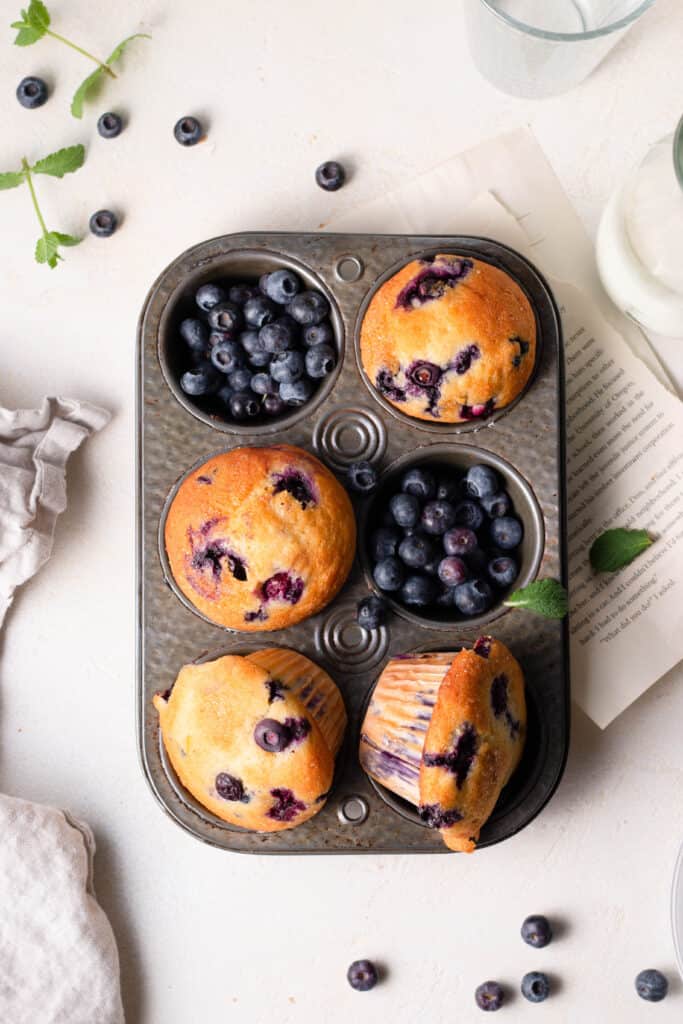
(345, 421)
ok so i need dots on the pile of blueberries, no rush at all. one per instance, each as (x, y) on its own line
(447, 542)
(257, 349)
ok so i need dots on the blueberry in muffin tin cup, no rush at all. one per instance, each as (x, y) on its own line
(344, 421)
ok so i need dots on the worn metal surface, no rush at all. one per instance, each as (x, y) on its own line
(347, 421)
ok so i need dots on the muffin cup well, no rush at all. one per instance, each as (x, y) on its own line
(459, 456)
(435, 427)
(235, 265)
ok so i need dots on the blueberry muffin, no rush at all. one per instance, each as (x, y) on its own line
(446, 732)
(254, 738)
(449, 338)
(260, 538)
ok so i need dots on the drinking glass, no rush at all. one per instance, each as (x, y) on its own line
(537, 48)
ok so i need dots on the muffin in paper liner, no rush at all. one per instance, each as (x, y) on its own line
(446, 732)
(246, 746)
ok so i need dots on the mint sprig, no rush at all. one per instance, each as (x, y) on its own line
(616, 548)
(35, 24)
(545, 597)
(64, 161)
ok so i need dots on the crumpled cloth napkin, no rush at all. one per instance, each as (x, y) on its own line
(58, 957)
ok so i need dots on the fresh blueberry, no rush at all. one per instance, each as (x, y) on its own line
(384, 543)
(263, 384)
(227, 356)
(278, 335)
(536, 931)
(195, 334)
(416, 551)
(281, 286)
(490, 996)
(239, 293)
(109, 125)
(452, 571)
(209, 295)
(318, 334)
(388, 574)
(651, 985)
(273, 405)
(444, 599)
(296, 392)
(503, 571)
(103, 223)
(251, 342)
(371, 612)
(469, 514)
(506, 532)
(480, 482)
(320, 361)
(202, 380)
(405, 508)
(309, 308)
(32, 92)
(243, 406)
(362, 975)
(496, 505)
(362, 477)
(217, 337)
(419, 482)
(240, 379)
(437, 517)
(259, 310)
(287, 367)
(459, 541)
(330, 175)
(224, 394)
(260, 359)
(188, 131)
(535, 986)
(447, 489)
(419, 590)
(225, 316)
(473, 597)
(271, 735)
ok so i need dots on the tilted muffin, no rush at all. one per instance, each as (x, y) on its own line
(449, 338)
(253, 745)
(260, 538)
(446, 732)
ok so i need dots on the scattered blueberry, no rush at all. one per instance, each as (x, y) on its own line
(506, 532)
(32, 92)
(259, 310)
(273, 405)
(503, 570)
(437, 517)
(318, 334)
(371, 612)
(362, 975)
(188, 131)
(473, 598)
(535, 986)
(481, 481)
(309, 308)
(209, 295)
(362, 477)
(203, 380)
(281, 286)
(287, 367)
(272, 735)
(536, 931)
(263, 384)
(109, 125)
(388, 574)
(419, 482)
(296, 392)
(240, 379)
(243, 406)
(459, 541)
(496, 505)
(651, 985)
(405, 509)
(490, 996)
(278, 335)
(419, 590)
(320, 361)
(103, 223)
(227, 356)
(330, 175)
(384, 543)
(416, 551)
(452, 571)
(195, 334)
(469, 514)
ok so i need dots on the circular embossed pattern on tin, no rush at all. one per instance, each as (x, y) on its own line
(346, 645)
(349, 435)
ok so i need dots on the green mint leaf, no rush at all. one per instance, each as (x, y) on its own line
(614, 549)
(64, 161)
(66, 239)
(546, 597)
(10, 179)
(118, 51)
(37, 16)
(27, 36)
(46, 250)
(85, 89)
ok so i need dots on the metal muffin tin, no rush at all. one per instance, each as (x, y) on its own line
(345, 421)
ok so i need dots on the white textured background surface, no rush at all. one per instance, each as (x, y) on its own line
(207, 937)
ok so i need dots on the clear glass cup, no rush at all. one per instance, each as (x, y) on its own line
(537, 48)
(639, 247)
